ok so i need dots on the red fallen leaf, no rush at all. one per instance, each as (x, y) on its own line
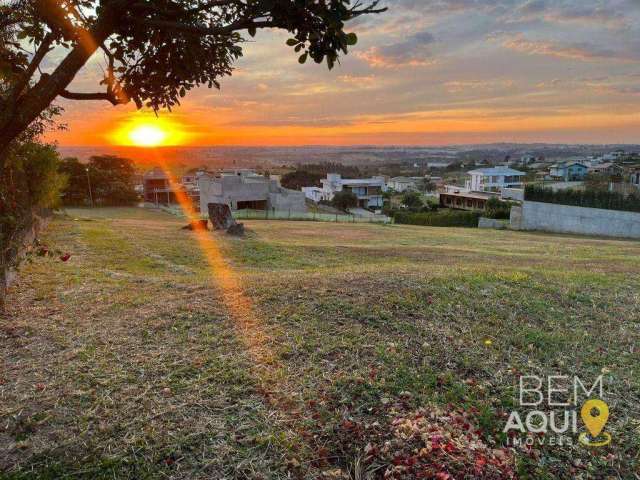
(40, 386)
(429, 300)
(65, 257)
(449, 447)
(443, 476)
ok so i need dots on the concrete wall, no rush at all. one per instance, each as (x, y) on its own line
(288, 200)
(232, 189)
(568, 219)
(493, 223)
(25, 236)
(512, 194)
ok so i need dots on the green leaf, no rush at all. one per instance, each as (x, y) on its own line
(303, 58)
(252, 31)
(292, 41)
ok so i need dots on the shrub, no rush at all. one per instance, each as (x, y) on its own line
(497, 209)
(344, 200)
(584, 198)
(412, 200)
(442, 218)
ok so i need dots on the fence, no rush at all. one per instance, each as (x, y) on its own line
(289, 215)
(307, 216)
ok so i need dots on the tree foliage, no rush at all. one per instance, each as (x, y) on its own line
(584, 198)
(344, 200)
(155, 51)
(412, 200)
(112, 181)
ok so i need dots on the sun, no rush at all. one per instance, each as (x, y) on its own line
(145, 130)
(147, 136)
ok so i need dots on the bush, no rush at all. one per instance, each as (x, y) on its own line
(497, 209)
(450, 218)
(584, 198)
(344, 200)
(412, 200)
(29, 182)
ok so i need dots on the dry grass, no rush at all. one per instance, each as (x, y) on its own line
(131, 359)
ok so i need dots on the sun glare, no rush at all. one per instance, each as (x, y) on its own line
(147, 136)
(147, 131)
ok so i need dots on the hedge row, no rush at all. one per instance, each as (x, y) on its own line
(584, 198)
(451, 218)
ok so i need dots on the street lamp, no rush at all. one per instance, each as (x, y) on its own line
(89, 183)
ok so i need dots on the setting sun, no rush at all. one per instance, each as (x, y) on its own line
(147, 136)
(147, 130)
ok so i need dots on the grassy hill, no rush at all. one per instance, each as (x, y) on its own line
(305, 350)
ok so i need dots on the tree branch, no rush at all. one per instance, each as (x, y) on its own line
(108, 96)
(43, 49)
(204, 30)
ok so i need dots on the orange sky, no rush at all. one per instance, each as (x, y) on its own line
(426, 73)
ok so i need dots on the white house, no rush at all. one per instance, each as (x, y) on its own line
(368, 190)
(494, 179)
(402, 184)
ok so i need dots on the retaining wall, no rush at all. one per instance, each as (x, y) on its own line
(552, 217)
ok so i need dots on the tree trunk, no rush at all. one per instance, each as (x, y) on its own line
(29, 107)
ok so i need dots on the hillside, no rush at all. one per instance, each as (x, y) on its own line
(153, 352)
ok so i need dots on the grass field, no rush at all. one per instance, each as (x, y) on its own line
(305, 353)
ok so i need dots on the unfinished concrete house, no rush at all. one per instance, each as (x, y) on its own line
(244, 189)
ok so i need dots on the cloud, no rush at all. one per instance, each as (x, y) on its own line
(577, 50)
(596, 13)
(414, 51)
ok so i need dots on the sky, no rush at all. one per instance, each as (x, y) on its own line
(424, 73)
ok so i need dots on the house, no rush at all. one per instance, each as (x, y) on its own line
(634, 178)
(245, 189)
(494, 179)
(160, 189)
(402, 184)
(368, 190)
(527, 159)
(156, 187)
(464, 200)
(316, 194)
(606, 169)
(568, 171)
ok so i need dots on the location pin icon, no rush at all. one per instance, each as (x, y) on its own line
(595, 424)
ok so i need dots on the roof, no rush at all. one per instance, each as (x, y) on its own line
(156, 174)
(607, 165)
(361, 181)
(497, 171)
(403, 179)
(477, 195)
(567, 164)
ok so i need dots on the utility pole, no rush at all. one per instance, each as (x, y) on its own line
(89, 183)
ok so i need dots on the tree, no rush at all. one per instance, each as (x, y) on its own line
(155, 50)
(77, 189)
(301, 178)
(412, 200)
(112, 180)
(344, 200)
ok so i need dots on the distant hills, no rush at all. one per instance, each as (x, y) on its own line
(261, 157)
